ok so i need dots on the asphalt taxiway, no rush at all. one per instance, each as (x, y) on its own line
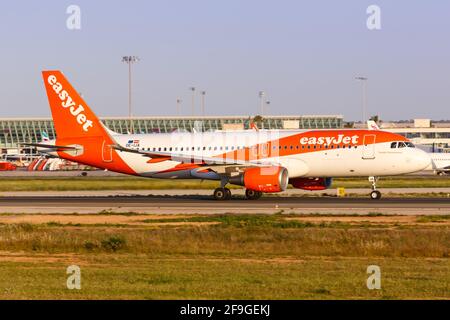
(176, 204)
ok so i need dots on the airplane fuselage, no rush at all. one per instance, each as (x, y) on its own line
(306, 153)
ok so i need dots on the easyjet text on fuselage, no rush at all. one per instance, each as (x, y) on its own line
(340, 139)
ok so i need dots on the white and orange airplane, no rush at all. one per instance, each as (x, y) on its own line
(263, 161)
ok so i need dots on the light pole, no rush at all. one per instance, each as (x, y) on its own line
(130, 60)
(179, 101)
(364, 96)
(261, 101)
(203, 93)
(267, 106)
(193, 100)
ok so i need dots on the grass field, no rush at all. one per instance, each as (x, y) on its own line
(281, 256)
(134, 183)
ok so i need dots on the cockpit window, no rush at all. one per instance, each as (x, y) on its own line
(402, 144)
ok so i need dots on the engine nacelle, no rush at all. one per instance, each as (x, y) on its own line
(311, 184)
(263, 179)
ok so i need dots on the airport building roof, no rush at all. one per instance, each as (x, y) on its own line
(14, 131)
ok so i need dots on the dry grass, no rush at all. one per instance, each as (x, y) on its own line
(237, 235)
(225, 256)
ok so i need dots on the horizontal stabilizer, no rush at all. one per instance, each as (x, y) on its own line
(48, 146)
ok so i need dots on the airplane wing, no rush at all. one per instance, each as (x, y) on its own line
(205, 161)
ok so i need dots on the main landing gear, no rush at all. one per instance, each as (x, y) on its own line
(252, 194)
(375, 194)
(223, 193)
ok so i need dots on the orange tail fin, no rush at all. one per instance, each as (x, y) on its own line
(77, 126)
(72, 117)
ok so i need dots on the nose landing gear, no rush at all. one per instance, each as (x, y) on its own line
(375, 194)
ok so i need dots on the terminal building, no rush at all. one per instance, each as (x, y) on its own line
(434, 135)
(15, 131)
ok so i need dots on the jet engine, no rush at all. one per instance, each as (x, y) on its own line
(263, 179)
(312, 184)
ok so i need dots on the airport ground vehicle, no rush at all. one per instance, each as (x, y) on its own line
(7, 166)
(263, 161)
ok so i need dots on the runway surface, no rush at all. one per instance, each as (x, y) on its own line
(205, 204)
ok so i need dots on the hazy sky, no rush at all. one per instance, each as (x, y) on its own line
(304, 54)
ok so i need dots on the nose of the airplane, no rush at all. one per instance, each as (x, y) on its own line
(420, 160)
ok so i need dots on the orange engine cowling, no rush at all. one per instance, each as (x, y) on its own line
(312, 184)
(263, 179)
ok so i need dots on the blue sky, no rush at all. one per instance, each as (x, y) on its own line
(304, 54)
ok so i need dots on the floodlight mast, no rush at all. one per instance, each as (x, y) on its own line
(193, 100)
(130, 60)
(364, 96)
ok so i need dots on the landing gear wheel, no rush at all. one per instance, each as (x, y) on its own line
(222, 194)
(227, 193)
(375, 195)
(252, 194)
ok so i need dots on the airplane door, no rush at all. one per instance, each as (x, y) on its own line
(106, 152)
(369, 146)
